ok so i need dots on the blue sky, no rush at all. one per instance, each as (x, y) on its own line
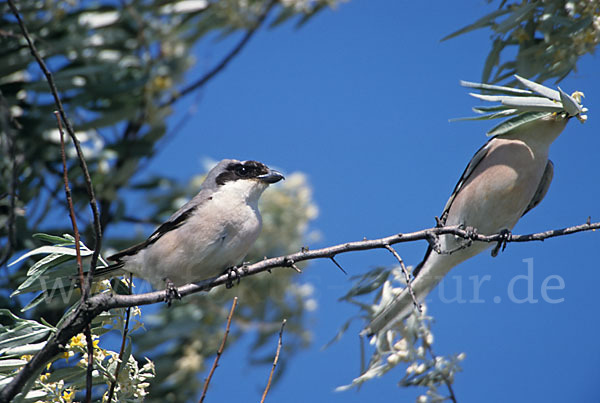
(359, 99)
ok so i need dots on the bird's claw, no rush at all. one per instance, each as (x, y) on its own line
(471, 232)
(235, 272)
(505, 236)
(171, 292)
(467, 239)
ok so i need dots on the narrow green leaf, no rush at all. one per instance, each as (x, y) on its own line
(51, 249)
(487, 109)
(53, 259)
(22, 350)
(496, 88)
(500, 114)
(540, 89)
(52, 239)
(529, 103)
(52, 279)
(570, 105)
(68, 374)
(34, 302)
(510, 124)
(492, 59)
(533, 104)
(516, 17)
(11, 363)
(21, 336)
(483, 22)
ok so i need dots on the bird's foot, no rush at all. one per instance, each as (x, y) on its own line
(171, 292)
(470, 232)
(505, 236)
(235, 272)
(466, 240)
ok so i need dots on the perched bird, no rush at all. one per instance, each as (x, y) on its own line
(506, 178)
(205, 237)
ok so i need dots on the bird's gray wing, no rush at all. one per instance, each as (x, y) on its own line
(543, 187)
(174, 222)
(475, 161)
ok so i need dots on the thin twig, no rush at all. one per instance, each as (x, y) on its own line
(90, 364)
(446, 380)
(69, 198)
(219, 67)
(406, 277)
(113, 384)
(279, 344)
(86, 287)
(99, 303)
(88, 331)
(219, 351)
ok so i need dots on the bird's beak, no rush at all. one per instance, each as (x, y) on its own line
(271, 177)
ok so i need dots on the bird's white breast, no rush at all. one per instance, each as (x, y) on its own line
(215, 237)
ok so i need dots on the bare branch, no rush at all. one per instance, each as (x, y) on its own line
(275, 360)
(219, 67)
(99, 303)
(86, 287)
(446, 380)
(88, 331)
(113, 384)
(406, 277)
(69, 198)
(90, 364)
(219, 351)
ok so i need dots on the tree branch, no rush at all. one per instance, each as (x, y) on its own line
(113, 384)
(275, 361)
(88, 331)
(86, 287)
(219, 67)
(99, 303)
(447, 381)
(406, 277)
(219, 351)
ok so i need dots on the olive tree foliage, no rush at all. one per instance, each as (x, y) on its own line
(120, 68)
(540, 39)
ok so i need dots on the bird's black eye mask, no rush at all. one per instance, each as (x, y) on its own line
(242, 170)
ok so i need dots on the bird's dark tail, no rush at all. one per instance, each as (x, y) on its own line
(113, 270)
(103, 273)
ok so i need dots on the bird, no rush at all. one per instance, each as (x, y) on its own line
(208, 235)
(506, 178)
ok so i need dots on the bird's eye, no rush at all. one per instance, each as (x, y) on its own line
(242, 171)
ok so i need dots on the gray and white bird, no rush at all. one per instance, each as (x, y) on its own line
(506, 178)
(205, 237)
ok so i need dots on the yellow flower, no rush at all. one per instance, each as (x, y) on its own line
(68, 395)
(77, 341)
(26, 357)
(67, 354)
(162, 82)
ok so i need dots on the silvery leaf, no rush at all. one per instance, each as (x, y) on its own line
(533, 104)
(515, 122)
(570, 105)
(540, 89)
(500, 114)
(495, 88)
